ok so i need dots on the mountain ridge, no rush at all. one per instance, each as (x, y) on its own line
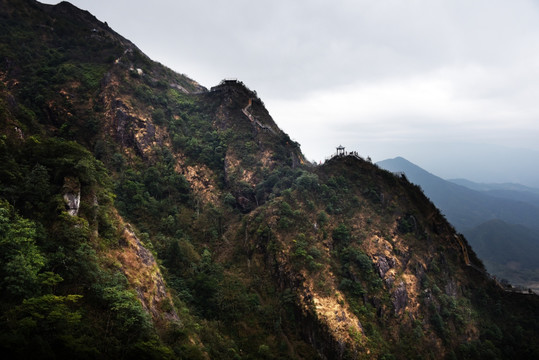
(493, 186)
(506, 190)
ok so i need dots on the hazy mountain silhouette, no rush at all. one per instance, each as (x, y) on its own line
(506, 190)
(484, 163)
(465, 208)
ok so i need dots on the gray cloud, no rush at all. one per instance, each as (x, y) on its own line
(384, 74)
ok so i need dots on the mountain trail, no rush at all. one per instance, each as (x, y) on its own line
(245, 110)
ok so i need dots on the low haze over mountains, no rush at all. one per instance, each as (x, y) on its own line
(480, 163)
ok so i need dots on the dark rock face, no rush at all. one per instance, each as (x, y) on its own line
(245, 204)
(384, 264)
(451, 288)
(121, 122)
(399, 298)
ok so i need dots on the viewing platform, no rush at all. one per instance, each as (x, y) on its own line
(341, 152)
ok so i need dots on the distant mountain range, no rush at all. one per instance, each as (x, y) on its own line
(494, 187)
(510, 191)
(501, 221)
(480, 162)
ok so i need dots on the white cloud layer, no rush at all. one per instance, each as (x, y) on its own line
(444, 105)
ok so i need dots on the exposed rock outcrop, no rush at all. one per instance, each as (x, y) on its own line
(71, 195)
(383, 265)
(143, 274)
(399, 297)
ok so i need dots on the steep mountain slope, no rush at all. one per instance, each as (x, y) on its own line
(144, 215)
(503, 231)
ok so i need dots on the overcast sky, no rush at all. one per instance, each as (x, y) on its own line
(446, 84)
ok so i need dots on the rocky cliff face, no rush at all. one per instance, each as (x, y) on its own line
(71, 195)
(196, 229)
(354, 273)
(144, 275)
